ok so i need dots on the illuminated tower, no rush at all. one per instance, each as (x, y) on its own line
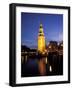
(41, 40)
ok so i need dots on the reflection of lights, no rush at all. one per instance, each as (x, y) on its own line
(41, 67)
(46, 60)
(50, 68)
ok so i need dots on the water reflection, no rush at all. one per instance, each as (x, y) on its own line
(42, 66)
(50, 68)
(45, 66)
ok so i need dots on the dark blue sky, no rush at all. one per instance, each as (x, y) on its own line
(30, 22)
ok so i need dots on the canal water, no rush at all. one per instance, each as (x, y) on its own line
(45, 66)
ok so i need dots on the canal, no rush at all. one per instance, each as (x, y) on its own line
(43, 66)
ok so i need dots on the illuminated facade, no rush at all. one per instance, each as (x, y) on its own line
(41, 40)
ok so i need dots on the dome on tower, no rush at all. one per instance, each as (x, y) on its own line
(41, 25)
(41, 30)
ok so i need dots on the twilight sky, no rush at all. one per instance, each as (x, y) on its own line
(52, 26)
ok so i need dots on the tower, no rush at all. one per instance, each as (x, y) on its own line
(41, 40)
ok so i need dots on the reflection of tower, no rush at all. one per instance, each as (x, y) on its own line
(41, 39)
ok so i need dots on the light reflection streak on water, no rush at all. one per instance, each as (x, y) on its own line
(50, 68)
(42, 66)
